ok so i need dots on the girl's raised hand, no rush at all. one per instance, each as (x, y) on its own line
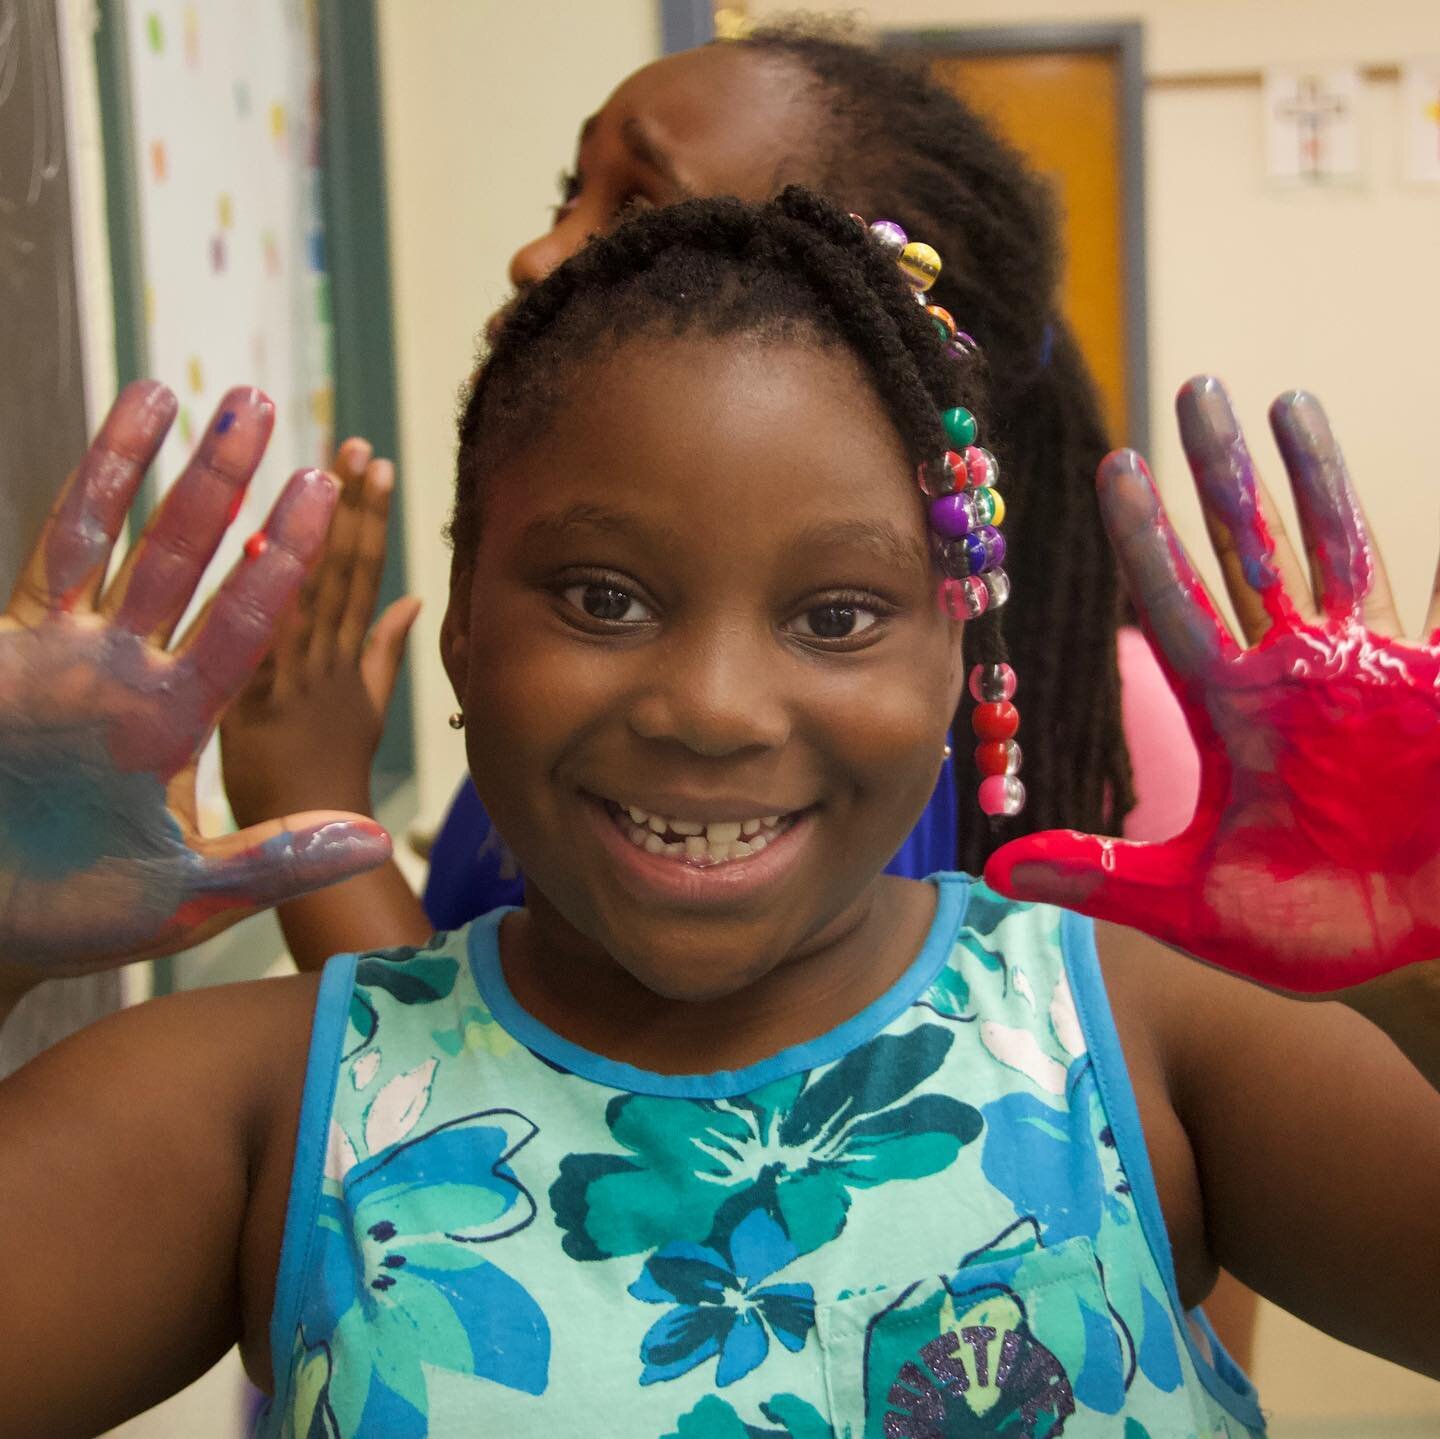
(305, 729)
(101, 721)
(1312, 863)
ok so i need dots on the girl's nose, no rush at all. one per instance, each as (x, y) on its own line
(716, 698)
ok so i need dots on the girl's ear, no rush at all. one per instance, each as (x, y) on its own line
(455, 632)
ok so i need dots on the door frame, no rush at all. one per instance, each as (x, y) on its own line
(1125, 40)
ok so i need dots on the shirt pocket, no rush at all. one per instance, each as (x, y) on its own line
(1007, 1347)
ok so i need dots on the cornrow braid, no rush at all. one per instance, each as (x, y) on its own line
(889, 141)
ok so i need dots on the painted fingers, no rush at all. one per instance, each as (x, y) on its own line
(1346, 570)
(1264, 577)
(1170, 598)
(230, 637)
(64, 570)
(160, 575)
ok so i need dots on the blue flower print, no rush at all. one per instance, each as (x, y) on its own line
(693, 1168)
(721, 1306)
(1071, 1185)
(402, 1258)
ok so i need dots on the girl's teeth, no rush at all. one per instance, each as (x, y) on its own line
(705, 844)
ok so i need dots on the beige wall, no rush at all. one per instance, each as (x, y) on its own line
(1335, 290)
(482, 100)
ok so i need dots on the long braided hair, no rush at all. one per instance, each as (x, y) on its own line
(795, 269)
(898, 145)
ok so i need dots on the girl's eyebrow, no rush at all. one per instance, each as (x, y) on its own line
(597, 520)
(899, 551)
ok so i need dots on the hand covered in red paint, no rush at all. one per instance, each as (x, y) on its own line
(101, 722)
(1312, 863)
(305, 729)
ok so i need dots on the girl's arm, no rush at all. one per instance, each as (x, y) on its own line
(143, 1176)
(1312, 863)
(1310, 1163)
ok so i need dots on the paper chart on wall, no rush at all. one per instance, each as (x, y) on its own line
(1420, 107)
(226, 105)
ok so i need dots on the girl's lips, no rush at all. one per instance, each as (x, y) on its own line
(675, 881)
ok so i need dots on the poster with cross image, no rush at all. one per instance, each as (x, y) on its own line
(1312, 125)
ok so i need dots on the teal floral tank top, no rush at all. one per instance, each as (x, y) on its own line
(937, 1220)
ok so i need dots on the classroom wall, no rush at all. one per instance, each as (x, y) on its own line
(482, 101)
(1332, 289)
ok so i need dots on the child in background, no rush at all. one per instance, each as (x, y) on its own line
(726, 1133)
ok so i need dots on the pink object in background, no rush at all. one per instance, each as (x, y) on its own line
(1163, 757)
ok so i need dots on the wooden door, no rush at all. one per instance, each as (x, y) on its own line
(1062, 109)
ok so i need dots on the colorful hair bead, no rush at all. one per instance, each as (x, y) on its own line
(1002, 795)
(995, 720)
(950, 596)
(989, 684)
(988, 505)
(942, 476)
(997, 582)
(984, 549)
(890, 237)
(998, 756)
(953, 515)
(982, 470)
(918, 262)
(959, 426)
(944, 321)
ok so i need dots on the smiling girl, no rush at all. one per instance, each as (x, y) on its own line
(726, 1133)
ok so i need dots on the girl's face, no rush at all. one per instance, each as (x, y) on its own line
(713, 121)
(703, 604)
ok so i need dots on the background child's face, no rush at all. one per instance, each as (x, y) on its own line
(713, 121)
(704, 592)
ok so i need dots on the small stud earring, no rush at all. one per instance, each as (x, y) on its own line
(946, 752)
(457, 720)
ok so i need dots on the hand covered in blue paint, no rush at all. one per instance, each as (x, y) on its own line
(102, 719)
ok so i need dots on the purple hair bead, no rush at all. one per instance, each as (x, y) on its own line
(953, 515)
(890, 237)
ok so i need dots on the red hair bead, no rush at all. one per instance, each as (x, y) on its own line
(997, 721)
(999, 756)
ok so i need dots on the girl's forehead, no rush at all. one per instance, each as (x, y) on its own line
(719, 433)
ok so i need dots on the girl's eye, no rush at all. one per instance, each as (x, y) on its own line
(841, 620)
(607, 603)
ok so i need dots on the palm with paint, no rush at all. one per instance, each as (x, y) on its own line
(102, 722)
(1312, 863)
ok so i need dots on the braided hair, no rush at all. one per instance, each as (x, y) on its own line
(794, 269)
(897, 144)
